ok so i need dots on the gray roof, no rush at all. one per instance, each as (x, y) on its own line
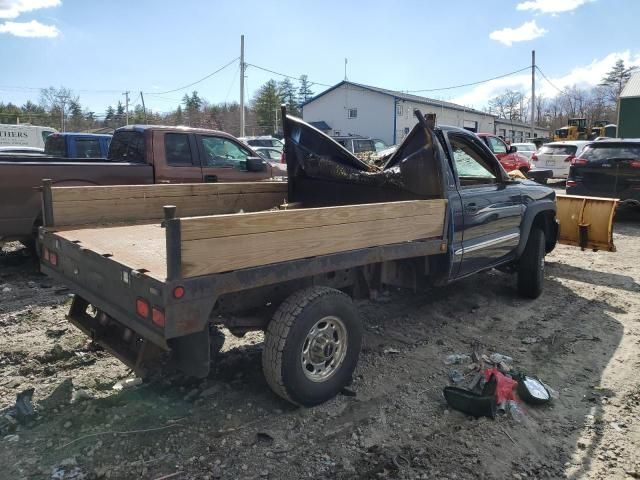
(403, 96)
(321, 125)
(632, 88)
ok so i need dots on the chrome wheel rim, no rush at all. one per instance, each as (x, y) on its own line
(324, 349)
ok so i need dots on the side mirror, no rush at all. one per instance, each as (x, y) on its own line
(513, 149)
(256, 164)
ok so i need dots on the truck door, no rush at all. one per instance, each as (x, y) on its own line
(491, 207)
(175, 158)
(225, 160)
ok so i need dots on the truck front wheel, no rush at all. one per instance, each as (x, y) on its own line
(531, 265)
(312, 346)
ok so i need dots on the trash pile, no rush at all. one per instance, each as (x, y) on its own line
(21, 413)
(496, 387)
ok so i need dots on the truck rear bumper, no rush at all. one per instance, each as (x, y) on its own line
(114, 337)
(113, 310)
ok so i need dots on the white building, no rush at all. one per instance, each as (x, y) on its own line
(518, 131)
(352, 108)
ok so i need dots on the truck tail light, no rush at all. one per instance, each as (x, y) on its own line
(157, 317)
(572, 183)
(142, 307)
(534, 157)
(49, 256)
(569, 158)
(634, 164)
(178, 292)
(282, 159)
(579, 161)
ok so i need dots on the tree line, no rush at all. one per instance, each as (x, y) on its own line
(61, 108)
(599, 103)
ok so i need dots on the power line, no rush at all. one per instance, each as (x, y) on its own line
(285, 75)
(564, 92)
(469, 84)
(197, 81)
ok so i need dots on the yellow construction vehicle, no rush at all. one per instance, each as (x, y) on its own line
(576, 129)
(602, 128)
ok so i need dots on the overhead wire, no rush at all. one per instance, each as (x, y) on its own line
(469, 84)
(197, 81)
(285, 75)
(564, 92)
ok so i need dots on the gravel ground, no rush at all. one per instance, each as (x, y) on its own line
(581, 337)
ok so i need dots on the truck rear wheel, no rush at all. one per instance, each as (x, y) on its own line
(531, 265)
(312, 346)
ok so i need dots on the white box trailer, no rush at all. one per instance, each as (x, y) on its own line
(24, 135)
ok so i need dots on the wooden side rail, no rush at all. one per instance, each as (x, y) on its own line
(87, 205)
(222, 243)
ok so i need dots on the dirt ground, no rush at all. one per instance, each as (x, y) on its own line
(582, 337)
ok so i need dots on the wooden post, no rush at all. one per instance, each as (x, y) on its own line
(174, 257)
(47, 203)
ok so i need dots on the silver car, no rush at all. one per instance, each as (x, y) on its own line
(526, 149)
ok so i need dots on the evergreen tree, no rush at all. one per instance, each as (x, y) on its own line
(120, 109)
(109, 117)
(615, 80)
(304, 91)
(289, 96)
(266, 103)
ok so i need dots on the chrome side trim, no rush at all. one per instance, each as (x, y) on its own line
(488, 243)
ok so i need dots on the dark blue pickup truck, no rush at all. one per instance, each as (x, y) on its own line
(77, 145)
(150, 279)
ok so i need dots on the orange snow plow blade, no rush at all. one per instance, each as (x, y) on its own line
(586, 222)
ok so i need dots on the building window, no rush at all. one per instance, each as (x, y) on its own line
(535, 135)
(352, 113)
(399, 109)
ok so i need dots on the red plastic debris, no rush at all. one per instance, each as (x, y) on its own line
(505, 386)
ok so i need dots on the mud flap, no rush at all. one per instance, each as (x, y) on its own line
(586, 222)
(191, 353)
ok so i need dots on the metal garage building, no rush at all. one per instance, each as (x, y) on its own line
(353, 108)
(629, 109)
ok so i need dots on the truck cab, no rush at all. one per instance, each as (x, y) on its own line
(189, 155)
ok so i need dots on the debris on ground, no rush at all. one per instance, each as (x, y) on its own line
(127, 383)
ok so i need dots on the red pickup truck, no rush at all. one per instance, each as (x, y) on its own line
(507, 155)
(137, 155)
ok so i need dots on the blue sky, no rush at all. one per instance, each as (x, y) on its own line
(99, 49)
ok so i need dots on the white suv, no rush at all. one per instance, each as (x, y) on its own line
(557, 156)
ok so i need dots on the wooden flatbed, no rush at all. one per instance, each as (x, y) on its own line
(218, 240)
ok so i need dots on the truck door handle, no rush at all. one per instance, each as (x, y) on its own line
(210, 178)
(471, 208)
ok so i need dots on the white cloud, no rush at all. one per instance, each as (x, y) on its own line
(13, 8)
(29, 29)
(526, 31)
(551, 6)
(588, 75)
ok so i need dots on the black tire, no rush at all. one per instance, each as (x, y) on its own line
(531, 265)
(291, 331)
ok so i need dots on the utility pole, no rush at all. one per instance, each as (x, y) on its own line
(242, 67)
(533, 92)
(126, 106)
(144, 109)
(345, 70)
(63, 101)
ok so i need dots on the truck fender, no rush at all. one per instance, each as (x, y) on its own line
(542, 213)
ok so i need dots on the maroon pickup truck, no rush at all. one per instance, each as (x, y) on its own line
(137, 155)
